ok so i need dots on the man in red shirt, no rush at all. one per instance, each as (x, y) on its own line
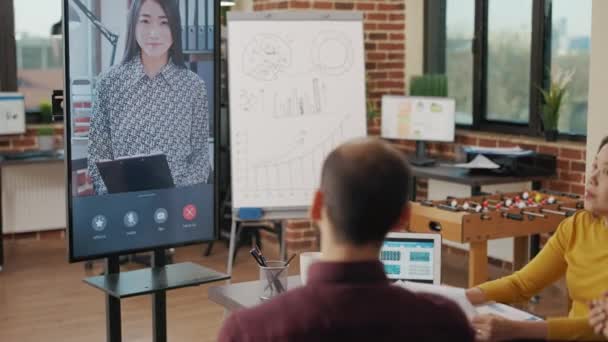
(363, 194)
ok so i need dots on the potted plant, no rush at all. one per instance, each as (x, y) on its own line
(373, 115)
(46, 112)
(552, 102)
(429, 85)
(46, 138)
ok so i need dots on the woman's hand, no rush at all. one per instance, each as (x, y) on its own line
(475, 296)
(493, 328)
(598, 315)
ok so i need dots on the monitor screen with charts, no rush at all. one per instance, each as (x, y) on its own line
(412, 257)
(418, 118)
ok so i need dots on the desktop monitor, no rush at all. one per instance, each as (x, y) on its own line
(141, 102)
(412, 257)
(418, 118)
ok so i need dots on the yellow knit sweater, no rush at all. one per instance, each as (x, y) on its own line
(578, 250)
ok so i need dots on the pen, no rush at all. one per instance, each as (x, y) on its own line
(256, 257)
(290, 259)
(262, 258)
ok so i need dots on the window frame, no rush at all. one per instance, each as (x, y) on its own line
(540, 58)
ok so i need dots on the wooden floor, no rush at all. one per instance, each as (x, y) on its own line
(43, 298)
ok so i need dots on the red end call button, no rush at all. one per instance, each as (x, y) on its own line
(189, 212)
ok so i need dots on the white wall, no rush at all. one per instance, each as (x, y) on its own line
(414, 39)
(597, 118)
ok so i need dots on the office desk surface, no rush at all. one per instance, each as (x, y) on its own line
(463, 176)
(244, 295)
(51, 158)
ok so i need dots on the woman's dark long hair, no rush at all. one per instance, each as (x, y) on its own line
(132, 49)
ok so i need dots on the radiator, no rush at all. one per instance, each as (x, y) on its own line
(33, 197)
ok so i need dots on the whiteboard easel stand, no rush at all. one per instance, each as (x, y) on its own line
(275, 215)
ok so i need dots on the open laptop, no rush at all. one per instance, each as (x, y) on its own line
(412, 257)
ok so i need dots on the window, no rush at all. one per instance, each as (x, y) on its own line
(460, 31)
(39, 56)
(508, 65)
(496, 53)
(570, 49)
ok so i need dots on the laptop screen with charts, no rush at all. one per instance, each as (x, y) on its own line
(412, 257)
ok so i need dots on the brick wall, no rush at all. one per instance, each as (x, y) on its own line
(384, 27)
(29, 140)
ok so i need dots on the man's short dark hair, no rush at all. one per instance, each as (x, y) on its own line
(365, 187)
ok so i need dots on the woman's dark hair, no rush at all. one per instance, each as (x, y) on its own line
(171, 9)
(603, 143)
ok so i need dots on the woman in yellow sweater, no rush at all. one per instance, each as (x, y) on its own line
(578, 250)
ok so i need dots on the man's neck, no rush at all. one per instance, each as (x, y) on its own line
(349, 253)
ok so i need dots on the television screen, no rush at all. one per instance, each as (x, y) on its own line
(141, 80)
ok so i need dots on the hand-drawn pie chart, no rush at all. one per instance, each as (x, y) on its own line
(332, 53)
(266, 57)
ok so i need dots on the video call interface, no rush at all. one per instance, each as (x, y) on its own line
(410, 260)
(141, 109)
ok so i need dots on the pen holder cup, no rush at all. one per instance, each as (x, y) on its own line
(273, 278)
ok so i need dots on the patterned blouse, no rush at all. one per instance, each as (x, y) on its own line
(134, 114)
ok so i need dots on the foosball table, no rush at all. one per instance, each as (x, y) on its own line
(477, 219)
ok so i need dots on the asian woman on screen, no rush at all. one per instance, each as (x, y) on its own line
(151, 103)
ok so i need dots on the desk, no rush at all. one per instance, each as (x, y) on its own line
(244, 295)
(40, 159)
(463, 177)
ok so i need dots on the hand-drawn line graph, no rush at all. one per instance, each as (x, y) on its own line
(265, 57)
(332, 53)
(296, 100)
(294, 172)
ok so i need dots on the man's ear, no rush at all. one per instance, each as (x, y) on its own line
(404, 218)
(317, 206)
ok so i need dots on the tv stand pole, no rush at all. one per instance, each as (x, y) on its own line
(159, 302)
(113, 313)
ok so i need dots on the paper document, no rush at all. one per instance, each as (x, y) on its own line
(506, 311)
(479, 162)
(458, 295)
(455, 294)
(507, 151)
